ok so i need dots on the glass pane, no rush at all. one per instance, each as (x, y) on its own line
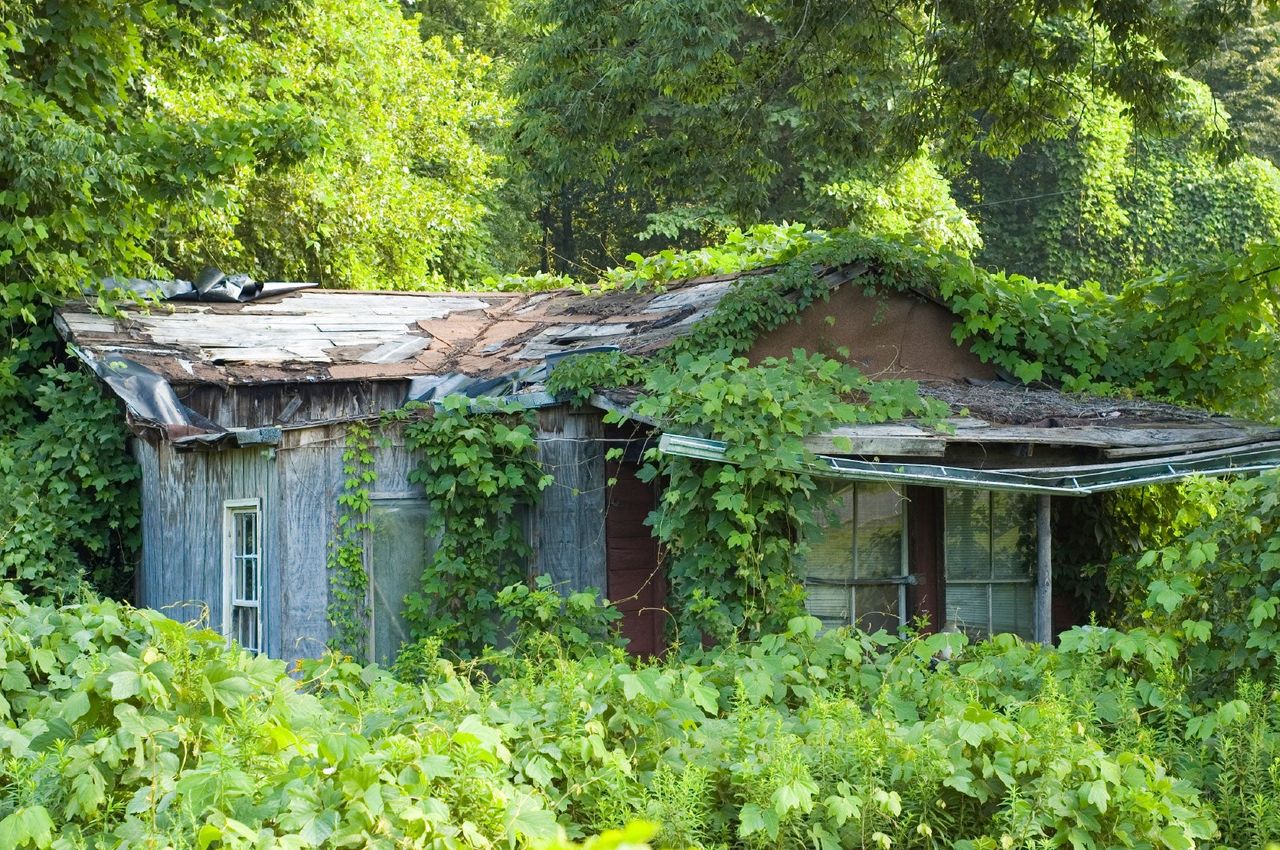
(830, 556)
(880, 530)
(877, 607)
(832, 605)
(246, 537)
(967, 609)
(244, 627)
(966, 534)
(1013, 609)
(398, 553)
(1013, 526)
(246, 579)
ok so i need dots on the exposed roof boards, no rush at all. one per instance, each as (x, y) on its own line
(320, 335)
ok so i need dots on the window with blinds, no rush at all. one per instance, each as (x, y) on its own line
(242, 573)
(989, 543)
(855, 572)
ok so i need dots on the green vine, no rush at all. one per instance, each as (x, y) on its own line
(734, 532)
(348, 580)
(479, 471)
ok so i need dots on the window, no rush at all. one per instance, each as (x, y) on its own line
(242, 573)
(398, 552)
(856, 570)
(989, 543)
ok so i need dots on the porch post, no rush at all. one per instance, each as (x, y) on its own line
(1044, 574)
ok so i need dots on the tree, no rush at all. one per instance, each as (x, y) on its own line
(1110, 203)
(735, 113)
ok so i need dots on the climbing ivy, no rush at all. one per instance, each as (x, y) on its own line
(734, 532)
(1204, 334)
(70, 506)
(348, 579)
(576, 378)
(479, 470)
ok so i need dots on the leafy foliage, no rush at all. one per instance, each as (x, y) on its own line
(734, 531)
(1216, 586)
(71, 500)
(1203, 334)
(1110, 203)
(537, 614)
(348, 578)
(479, 471)
(133, 730)
(125, 727)
(395, 190)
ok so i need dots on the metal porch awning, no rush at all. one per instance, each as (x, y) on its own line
(1045, 481)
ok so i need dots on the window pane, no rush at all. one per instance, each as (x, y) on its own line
(967, 609)
(879, 533)
(244, 627)
(246, 538)
(877, 607)
(1013, 535)
(832, 605)
(966, 537)
(1013, 609)
(246, 585)
(830, 556)
(397, 555)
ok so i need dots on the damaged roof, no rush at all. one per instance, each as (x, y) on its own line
(323, 335)
(231, 332)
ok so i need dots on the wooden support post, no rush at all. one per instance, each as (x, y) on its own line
(1044, 574)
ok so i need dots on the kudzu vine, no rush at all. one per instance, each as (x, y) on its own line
(479, 471)
(348, 578)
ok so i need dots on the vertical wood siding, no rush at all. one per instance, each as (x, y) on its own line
(568, 521)
(299, 483)
(182, 515)
(311, 479)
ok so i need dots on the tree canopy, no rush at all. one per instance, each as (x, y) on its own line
(725, 112)
(1111, 203)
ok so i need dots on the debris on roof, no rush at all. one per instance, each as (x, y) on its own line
(210, 285)
(326, 335)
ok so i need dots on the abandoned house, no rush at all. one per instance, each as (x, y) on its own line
(239, 397)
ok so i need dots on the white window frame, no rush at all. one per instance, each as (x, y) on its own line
(990, 582)
(902, 579)
(230, 601)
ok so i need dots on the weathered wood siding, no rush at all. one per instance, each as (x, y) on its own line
(568, 522)
(311, 479)
(182, 509)
(292, 404)
(299, 482)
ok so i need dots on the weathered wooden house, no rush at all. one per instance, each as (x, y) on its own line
(241, 404)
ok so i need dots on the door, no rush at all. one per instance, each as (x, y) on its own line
(636, 584)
